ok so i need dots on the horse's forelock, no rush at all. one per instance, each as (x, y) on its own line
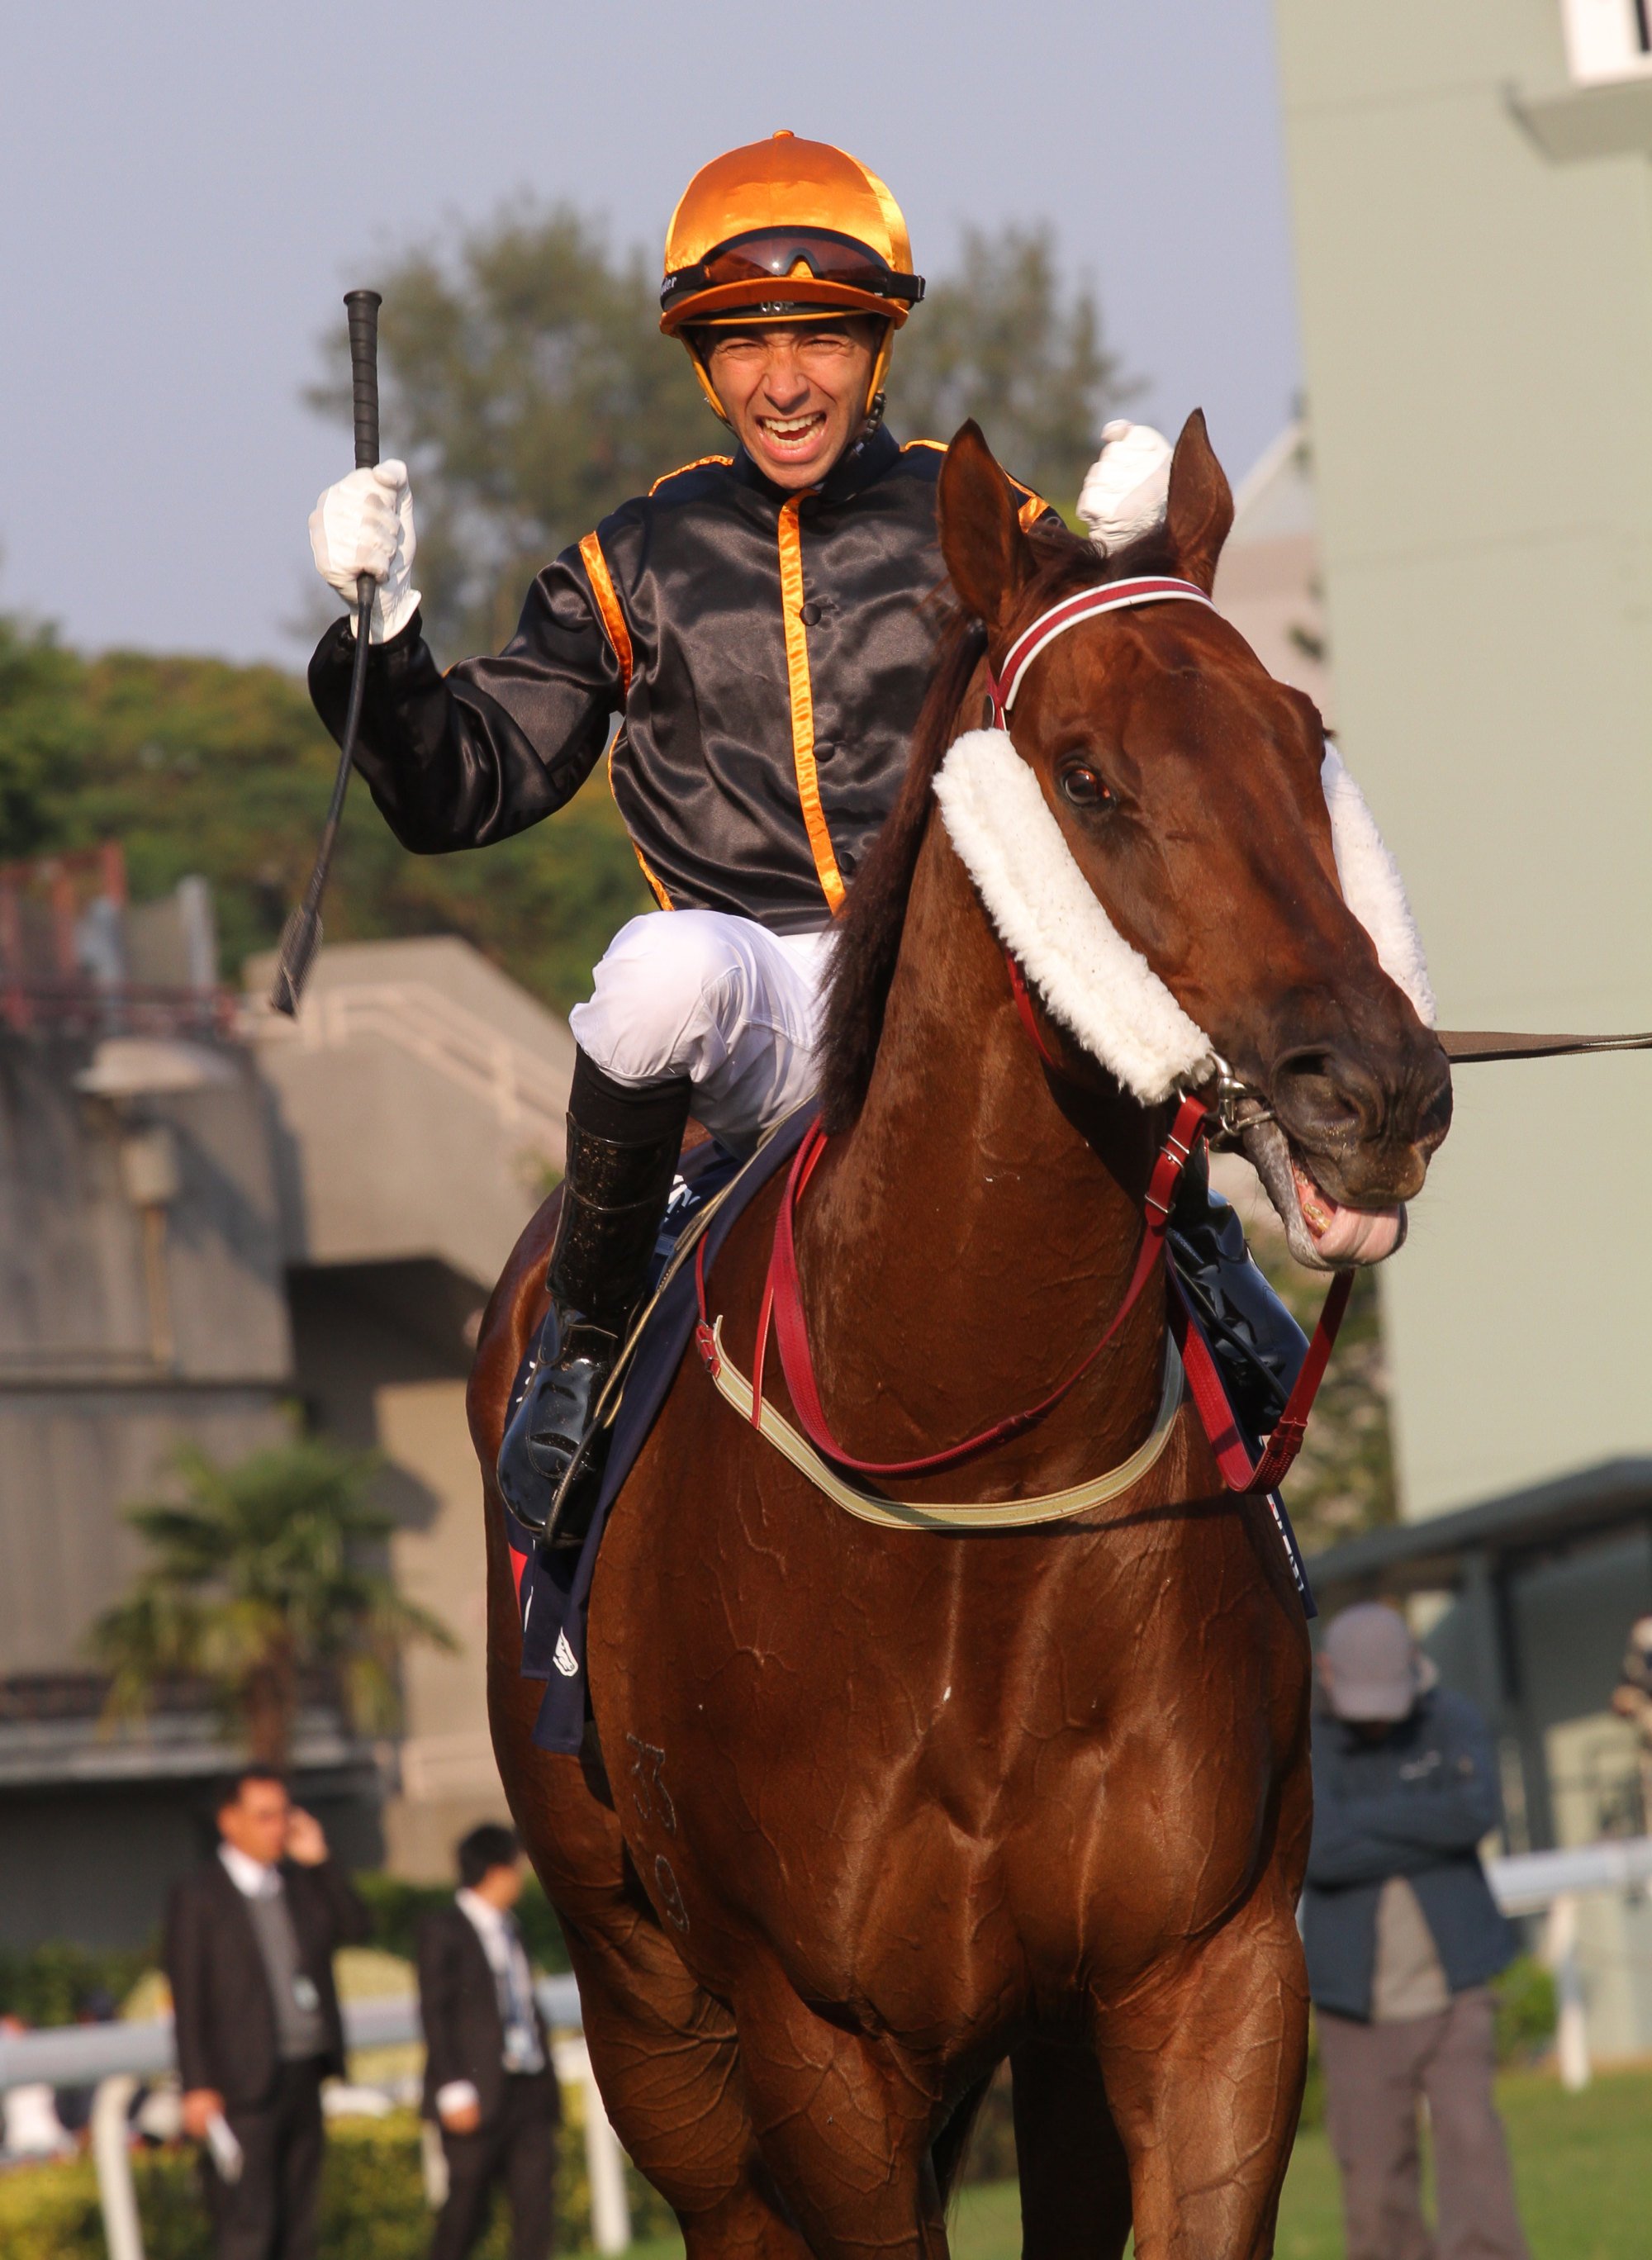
(869, 928)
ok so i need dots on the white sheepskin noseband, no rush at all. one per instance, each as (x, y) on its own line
(1088, 976)
(1373, 888)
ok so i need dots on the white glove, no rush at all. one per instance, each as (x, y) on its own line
(365, 525)
(1126, 488)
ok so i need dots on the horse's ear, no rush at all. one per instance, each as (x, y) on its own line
(1199, 514)
(988, 556)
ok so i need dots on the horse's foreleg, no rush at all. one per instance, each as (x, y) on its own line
(1075, 2177)
(663, 2051)
(845, 2131)
(1204, 2071)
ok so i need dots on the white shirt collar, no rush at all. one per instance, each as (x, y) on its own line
(488, 1919)
(251, 1879)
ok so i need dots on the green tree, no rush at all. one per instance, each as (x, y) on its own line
(263, 1576)
(41, 738)
(527, 384)
(198, 766)
(1003, 339)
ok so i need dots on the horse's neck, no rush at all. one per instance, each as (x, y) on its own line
(969, 1244)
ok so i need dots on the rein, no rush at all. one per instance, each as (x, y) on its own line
(782, 1311)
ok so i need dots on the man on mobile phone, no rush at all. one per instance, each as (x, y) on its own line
(251, 1934)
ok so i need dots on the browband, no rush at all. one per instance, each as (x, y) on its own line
(1112, 597)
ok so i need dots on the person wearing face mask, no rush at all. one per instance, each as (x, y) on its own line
(761, 624)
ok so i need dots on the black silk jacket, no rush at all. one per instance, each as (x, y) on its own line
(767, 654)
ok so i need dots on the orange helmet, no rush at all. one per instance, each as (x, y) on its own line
(786, 230)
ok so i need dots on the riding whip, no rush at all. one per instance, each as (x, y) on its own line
(301, 936)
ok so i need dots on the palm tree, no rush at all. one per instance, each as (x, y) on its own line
(259, 1575)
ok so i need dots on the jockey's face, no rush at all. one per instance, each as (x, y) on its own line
(794, 392)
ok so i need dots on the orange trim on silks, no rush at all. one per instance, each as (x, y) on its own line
(608, 604)
(613, 620)
(698, 464)
(825, 862)
(649, 871)
(1031, 511)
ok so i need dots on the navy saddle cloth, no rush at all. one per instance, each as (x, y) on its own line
(554, 1585)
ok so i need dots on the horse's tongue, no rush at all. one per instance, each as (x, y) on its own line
(1344, 1235)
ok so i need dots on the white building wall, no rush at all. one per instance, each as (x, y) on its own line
(1477, 331)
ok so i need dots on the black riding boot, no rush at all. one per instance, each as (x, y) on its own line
(623, 1145)
(1258, 1346)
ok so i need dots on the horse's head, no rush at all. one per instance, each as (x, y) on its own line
(1188, 789)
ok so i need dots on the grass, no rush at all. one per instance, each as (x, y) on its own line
(1583, 2165)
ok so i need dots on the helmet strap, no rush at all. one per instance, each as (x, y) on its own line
(877, 382)
(705, 375)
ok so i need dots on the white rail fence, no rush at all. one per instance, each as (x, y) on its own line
(114, 2058)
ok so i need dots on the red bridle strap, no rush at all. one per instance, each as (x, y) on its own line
(1110, 597)
(1023, 997)
(1216, 1414)
(783, 1306)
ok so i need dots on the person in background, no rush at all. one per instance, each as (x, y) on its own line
(250, 1939)
(98, 2006)
(488, 2084)
(1403, 1936)
(1631, 1699)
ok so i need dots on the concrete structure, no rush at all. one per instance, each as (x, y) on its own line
(1473, 217)
(206, 1214)
(420, 1103)
(1477, 325)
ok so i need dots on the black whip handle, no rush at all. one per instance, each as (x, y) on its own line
(301, 938)
(362, 308)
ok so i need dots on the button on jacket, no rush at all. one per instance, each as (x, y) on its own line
(1414, 1804)
(768, 653)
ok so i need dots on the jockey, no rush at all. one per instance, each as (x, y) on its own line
(756, 622)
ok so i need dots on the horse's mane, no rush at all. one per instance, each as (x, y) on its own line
(870, 929)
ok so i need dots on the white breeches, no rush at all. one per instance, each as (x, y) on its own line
(717, 998)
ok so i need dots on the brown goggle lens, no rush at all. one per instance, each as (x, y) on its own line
(774, 255)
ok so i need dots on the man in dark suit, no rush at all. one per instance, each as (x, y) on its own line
(250, 1939)
(488, 2084)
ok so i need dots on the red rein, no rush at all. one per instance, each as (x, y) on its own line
(783, 1308)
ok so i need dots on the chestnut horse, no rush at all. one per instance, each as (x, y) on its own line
(865, 1810)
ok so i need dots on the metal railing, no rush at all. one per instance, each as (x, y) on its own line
(113, 2058)
(1551, 1884)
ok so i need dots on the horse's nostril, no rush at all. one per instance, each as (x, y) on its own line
(1318, 1085)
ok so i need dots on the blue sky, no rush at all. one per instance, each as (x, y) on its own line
(186, 191)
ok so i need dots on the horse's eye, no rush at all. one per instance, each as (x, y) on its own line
(1083, 788)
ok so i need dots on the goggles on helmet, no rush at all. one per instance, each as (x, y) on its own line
(774, 255)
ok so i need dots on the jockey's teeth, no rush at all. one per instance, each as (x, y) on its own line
(793, 429)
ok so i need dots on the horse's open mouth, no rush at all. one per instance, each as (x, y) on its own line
(1321, 1233)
